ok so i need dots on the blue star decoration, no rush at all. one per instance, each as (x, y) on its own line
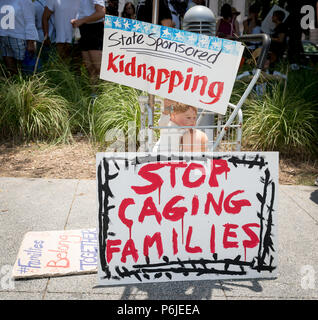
(171, 34)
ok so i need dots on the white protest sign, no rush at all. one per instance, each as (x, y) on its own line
(268, 25)
(183, 66)
(56, 253)
(173, 218)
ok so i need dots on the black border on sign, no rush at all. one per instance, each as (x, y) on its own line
(262, 262)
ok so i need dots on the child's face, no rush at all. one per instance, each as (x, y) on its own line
(187, 118)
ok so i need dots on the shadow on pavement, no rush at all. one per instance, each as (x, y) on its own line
(314, 196)
(191, 290)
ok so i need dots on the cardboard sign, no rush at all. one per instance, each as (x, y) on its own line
(57, 253)
(183, 66)
(268, 25)
(177, 217)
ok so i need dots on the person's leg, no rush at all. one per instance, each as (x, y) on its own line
(63, 50)
(11, 65)
(95, 58)
(87, 63)
(59, 49)
(13, 51)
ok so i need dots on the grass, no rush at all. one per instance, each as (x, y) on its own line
(285, 118)
(73, 85)
(115, 113)
(31, 110)
(56, 103)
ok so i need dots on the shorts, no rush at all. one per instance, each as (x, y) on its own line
(91, 36)
(12, 47)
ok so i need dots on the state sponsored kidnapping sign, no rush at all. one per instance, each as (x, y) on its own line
(186, 217)
(171, 63)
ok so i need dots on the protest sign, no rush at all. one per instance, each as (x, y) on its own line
(183, 66)
(56, 253)
(268, 25)
(177, 217)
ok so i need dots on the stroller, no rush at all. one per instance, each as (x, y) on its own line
(224, 132)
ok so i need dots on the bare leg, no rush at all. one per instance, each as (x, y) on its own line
(95, 57)
(11, 65)
(63, 50)
(87, 63)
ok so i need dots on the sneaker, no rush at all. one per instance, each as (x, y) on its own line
(93, 96)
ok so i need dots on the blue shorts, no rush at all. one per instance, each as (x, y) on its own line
(13, 47)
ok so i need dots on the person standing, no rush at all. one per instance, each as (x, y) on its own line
(91, 24)
(235, 24)
(192, 3)
(177, 8)
(39, 6)
(129, 11)
(63, 11)
(252, 25)
(252, 22)
(112, 7)
(15, 42)
(225, 28)
(278, 43)
(144, 12)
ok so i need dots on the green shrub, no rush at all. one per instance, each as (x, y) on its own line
(284, 119)
(73, 85)
(31, 110)
(116, 108)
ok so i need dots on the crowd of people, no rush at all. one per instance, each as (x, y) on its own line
(42, 23)
(228, 27)
(47, 23)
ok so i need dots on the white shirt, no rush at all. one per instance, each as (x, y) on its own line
(169, 138)
(64, 12)
(255, 44)
(87, 8)
(39, 6)
(23, 20)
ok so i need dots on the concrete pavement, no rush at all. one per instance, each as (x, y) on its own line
(49, 204)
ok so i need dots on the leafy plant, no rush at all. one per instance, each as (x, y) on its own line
(31, 110)
(116, 109)
(73, 85)
(283, 119)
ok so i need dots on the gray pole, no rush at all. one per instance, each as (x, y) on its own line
(201, 19)
(155, 15)
(155, 11)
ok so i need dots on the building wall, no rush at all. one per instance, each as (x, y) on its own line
(240, 5)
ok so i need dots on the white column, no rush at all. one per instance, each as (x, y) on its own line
(240, 6)
(121, 4)
(214, 7)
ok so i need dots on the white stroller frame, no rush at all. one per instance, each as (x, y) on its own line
(223, 130)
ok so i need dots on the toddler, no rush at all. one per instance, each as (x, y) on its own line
(176, 139)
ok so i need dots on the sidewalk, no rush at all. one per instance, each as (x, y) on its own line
(48, 204)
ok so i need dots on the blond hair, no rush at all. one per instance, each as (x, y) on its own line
(182, 107)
